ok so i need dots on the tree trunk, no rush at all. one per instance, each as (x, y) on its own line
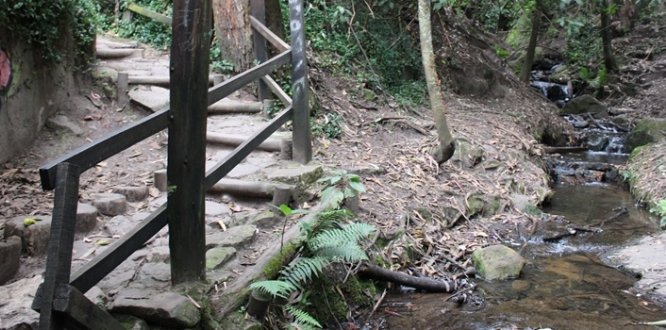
(609, 62)
(274, 17)
(445, 149)
(531, 46)
(234, 33)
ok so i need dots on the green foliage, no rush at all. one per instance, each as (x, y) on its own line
(217, 63)
(340, 186)
(44, 25)
(144, 29)
(659, 209)
(327, 125)
(326, 242)
(303, 320)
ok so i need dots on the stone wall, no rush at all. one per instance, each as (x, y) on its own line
(30, 91)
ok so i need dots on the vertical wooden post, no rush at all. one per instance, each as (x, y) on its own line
(258, 11)
(122, 87)
(61, 242)
(301, 135)
(187, 139)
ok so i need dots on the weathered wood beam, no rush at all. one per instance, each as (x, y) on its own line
(162, 80)
(301, 122)
(234, 158)
(96, 269)
(107, 53)
(81, 313)
(231, 85)
(248, 188)
(278, 43)
(186, 166)
(231, 106)
(59, 257)
(277, 90)
(155, 16)
(270, 144)
(110, 144)
(258, 13)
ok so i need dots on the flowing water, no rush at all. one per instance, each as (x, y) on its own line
(563, 286)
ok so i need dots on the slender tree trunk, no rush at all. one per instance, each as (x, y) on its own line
(445, 149)
(609, 62)
(531, 46)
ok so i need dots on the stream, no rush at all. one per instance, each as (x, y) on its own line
(565, 285)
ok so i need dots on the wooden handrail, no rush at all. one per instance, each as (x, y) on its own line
(265, 32)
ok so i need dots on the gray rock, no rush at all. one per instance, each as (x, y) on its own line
(302, 174)
(261, 219)
(110, 203)
(155, 275)
(152, 97)
(217, 257)
(497, 262)
(215, 209)
(159, 254)
(64, 123)
(86, 217)
(10, 258)
(646, 131)
(96, 295)
(467, 154)
(597, 142)
(131, 322)
(521, 202)
(160, 180)
(583, 104)
(118, 225)
(644, 257)
(34, 237)
(243, 170)
(167, 309)
(16, 313)
(235, 237)
(132, 194)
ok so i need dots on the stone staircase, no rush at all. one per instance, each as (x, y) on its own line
(242, 226)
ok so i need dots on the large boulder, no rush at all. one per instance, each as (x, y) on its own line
(167, 309)
(497, 263)
(646, 131)
(10, 258)
(584, 104)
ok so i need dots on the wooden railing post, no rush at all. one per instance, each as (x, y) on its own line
(258, 11)
(61, 242)
(301, 135)
(187, 139)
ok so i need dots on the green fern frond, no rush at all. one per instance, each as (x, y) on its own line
(303, 270)
(336, 237)
(275, 288)
(348, 252)
(303, 320)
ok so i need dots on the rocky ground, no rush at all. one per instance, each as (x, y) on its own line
(434, 216)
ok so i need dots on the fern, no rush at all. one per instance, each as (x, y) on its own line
(275, 288)
(303, 270)
(336, 237)
(348, 252)
(303, 319)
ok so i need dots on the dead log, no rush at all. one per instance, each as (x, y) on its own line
(158, 80)
(249, 188)
(570, 231)
(231, 106)
(271, 144)
(373, 272)
(155, 16)
(108, 53)
(562, 150)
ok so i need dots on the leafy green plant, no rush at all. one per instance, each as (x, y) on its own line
(659, 209)
(324, 244)
(328, 125)
(341, 185)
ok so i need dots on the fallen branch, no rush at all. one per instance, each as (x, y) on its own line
(420, 283)
(570, 231)
(404, 120)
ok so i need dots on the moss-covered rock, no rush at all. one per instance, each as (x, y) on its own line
(497, 262)
(584, 104)
(646, 131)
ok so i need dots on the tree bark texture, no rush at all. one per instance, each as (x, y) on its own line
(609, 62)
(445, 149)
(274, 18)
(234, 33)
(531, 46)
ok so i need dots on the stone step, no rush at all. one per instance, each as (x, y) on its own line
(115, 53)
